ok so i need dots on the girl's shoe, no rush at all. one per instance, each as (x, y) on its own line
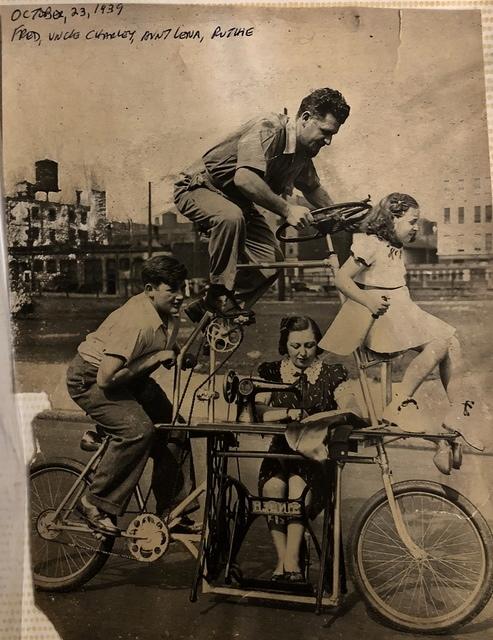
(443, 457)
(404, 413)
(464, 418)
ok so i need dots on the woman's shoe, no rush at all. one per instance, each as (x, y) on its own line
(278, 576)
(443, 458)
(96, 519)
(294, 576)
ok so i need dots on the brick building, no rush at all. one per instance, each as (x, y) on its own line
(75, 247)
(465, 227)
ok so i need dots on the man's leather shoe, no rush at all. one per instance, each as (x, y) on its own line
(96, 519)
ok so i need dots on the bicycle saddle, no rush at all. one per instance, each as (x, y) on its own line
(91, 440)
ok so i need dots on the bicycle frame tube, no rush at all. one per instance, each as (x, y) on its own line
(80, 479)
(211, 401)
(179, 361)
(412, 547)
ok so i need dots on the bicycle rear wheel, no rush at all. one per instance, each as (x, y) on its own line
(61, 560)
(437, 594)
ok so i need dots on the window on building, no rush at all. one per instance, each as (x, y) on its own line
(51, 266)
(83, 217)
(460, 219)
(71, 215)
(477, 214)
(35, 213)
(487, 213)
(488, 241)
(83, 236)
(38, 266)
(34, 234)
(446, 215)
(72, 236)
(52, 235)
(125, 264)
(52, 214)
(477, 242)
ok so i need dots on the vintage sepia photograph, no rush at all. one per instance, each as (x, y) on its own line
(250, 270)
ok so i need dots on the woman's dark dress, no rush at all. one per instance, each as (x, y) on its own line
(317, 396)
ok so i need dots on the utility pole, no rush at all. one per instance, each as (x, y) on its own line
(149, 224)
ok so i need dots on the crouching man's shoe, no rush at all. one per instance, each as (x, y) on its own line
(96, 519)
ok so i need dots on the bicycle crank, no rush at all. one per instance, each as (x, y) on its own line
(147, 537)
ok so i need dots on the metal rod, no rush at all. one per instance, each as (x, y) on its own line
(190, 498)
(149, 221)
(178, 369)
(416, 551)
(336, 584)
(306, 264)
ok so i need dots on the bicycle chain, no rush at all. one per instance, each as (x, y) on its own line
(106, 553)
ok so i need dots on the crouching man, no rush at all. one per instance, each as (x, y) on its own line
(109, 379)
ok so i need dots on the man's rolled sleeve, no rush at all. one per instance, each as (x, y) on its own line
(308, 179)
(256, 146)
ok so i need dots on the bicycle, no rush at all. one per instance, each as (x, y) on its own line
(420, 553)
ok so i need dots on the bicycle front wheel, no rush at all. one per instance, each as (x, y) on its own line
(435, 594)
(64, 552)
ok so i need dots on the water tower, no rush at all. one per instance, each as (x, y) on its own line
(47, 176)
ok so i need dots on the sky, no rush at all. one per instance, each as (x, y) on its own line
(116, 115)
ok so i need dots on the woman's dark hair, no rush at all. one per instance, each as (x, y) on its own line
(323, 101)
(164, 269)
(380, 221)
(297, 323)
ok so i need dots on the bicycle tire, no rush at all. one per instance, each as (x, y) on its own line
(49, 483)
(379, 558)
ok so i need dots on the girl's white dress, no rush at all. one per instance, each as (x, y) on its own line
(403, 326)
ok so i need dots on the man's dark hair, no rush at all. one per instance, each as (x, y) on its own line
(323, 101)
(297, 323)
(164, 269)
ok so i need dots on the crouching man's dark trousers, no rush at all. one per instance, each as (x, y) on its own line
(128, 415)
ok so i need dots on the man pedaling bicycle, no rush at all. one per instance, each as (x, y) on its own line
(258, 164)
(109, 379)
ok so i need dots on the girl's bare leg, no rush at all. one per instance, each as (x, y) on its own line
(430, 355)
(451, 370)
(276, 488)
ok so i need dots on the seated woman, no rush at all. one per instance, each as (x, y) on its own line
(322, 387)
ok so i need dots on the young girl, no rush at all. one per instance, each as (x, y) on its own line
(379, 312)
